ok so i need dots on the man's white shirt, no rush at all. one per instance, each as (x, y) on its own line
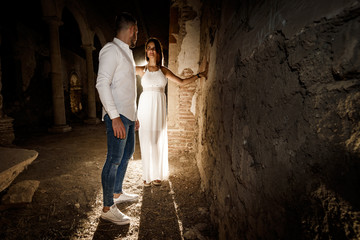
(116, 80)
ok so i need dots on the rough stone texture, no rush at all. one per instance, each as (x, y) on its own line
(13, 162)
(21, 192)
(277, 119)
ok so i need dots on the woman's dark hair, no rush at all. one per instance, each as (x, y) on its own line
(158, 49)
(123, 21)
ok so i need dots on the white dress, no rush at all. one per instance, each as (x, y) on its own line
(153, 128)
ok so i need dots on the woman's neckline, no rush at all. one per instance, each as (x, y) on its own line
(147, 68)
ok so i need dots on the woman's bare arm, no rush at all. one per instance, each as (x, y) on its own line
(181, 81)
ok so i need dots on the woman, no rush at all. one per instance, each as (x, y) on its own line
(152, 113)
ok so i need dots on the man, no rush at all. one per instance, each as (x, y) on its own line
(116, 84)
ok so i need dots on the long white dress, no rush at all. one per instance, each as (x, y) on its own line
(153, 128)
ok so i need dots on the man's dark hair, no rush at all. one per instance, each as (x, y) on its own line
(123, 21)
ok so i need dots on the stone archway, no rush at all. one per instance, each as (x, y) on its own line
(88, 46)
(52, 10)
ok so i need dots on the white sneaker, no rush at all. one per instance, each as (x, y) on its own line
(126, 197)
(114, 215)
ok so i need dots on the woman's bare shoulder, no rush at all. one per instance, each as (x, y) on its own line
(164, 69)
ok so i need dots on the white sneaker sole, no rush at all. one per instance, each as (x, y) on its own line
(125, 222)
(127, 200)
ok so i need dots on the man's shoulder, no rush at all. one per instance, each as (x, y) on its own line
(111, 48)
(109, 45)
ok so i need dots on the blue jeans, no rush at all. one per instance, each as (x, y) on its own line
(118, 154)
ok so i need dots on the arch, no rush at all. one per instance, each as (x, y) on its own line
(99, 33)
(86, 33)
(54, 8)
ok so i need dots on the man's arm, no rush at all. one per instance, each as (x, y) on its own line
(108, 62)
(107, 66)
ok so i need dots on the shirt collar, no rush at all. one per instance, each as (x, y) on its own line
(121, 43)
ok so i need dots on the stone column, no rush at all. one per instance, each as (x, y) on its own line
(91, 85)
(6, 123)
(56, 77)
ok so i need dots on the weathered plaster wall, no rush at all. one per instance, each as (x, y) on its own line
(278, 118)
(184, 54)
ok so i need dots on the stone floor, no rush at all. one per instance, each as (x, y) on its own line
(68, 201)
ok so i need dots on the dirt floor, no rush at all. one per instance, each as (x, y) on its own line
(68, 202)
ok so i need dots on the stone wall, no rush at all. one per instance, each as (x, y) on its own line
(278, 118)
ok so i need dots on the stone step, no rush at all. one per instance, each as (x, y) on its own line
(12, 162)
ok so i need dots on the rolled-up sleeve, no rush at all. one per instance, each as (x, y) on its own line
(108, 62)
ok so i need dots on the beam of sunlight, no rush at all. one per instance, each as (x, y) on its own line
(88, 226)
(181, 228)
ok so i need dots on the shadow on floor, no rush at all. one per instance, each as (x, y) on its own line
(68, 202)
(107, 230)
(159, 218)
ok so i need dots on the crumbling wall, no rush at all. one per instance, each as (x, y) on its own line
(278, 118)
(184, 53)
